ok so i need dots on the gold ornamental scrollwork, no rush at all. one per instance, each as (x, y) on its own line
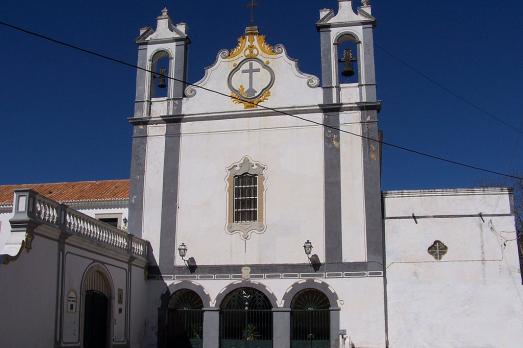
(251, 44)
(249, 104)
(242, 41)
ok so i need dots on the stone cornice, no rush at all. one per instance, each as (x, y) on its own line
(213, 116)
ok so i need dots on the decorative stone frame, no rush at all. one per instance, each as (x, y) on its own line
(245, 229)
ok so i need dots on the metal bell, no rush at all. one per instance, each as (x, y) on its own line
(348, 63)
(162, 83)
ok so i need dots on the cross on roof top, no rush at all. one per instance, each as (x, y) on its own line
(252, 5)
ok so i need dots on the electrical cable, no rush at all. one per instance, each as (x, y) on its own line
(399, 147)
(450, 91)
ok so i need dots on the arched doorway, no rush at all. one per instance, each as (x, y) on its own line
(185, 320)
(97, 310)
(246, 320)
(310, 320)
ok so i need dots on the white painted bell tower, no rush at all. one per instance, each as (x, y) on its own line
(163, 53)
(347, 27)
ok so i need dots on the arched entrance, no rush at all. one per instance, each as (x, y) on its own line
(185, 320)
(246, 320)
(97, 310)
(310, 320)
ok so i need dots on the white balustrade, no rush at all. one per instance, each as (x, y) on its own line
(51, 212)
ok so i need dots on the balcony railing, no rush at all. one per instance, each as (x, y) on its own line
(31, 206)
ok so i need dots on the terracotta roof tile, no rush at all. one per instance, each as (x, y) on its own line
(72, 191)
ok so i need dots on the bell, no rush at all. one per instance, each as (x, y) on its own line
(348, 66)
(162, 83)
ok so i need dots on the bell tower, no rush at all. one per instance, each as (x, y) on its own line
(347, 37)
(162, 53)
(162, 57)
(353, 210)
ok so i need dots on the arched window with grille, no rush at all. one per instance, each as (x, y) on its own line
(185, 320)
(246, 320)
(310, 320)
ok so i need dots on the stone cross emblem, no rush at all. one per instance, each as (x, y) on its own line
(251, 79)
(250, 92)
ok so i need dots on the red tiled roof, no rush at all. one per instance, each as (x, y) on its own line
(72, 191)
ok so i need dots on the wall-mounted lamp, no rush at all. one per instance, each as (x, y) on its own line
(314, 260)
(182, 251)
(307, 247)
(189, 262)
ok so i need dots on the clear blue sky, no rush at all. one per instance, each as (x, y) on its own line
(64, 114)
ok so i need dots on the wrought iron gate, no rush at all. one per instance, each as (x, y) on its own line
(310, 320)
(185, 320)
(185, 328)
(310, 329)
(246, 320)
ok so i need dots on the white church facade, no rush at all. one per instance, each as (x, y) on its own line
(254, 217)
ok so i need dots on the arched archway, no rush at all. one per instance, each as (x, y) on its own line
(246, 319)
(333, 311)
(97, 294)
(310, 320)
(160, 71)
(348, 54)
(185, 320)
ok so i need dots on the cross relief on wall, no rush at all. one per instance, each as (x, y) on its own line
(250, 82)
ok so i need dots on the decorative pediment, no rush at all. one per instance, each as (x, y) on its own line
(165, 30)
(252, 73)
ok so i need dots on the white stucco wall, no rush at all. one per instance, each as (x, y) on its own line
(352, 189)
(473, 297)
(153, 190)
(291, 150)
(5, 229)
(28, 297)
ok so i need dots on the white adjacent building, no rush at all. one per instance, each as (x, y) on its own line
(253, 225)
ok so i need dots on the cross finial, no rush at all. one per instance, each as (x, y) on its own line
(252, 5)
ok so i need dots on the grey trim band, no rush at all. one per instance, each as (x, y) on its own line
(211, 324)
(170, 197)
(180, 75)
(139, 148)
(141, 77)
(253, 113)
(332, 184)
(281, 332)
(272, 268)
(326, 67)
(372, 186)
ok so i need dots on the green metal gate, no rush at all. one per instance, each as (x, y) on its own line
(246, 320)
(185, 320)
(310, 320)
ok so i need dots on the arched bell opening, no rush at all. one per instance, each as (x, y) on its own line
(246, 320)
(97, 294)
(185, 320)
(310, 319)
(160, 67)
(348, 58)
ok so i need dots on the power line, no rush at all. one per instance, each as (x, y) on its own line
(399, 147)
(451, 92)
